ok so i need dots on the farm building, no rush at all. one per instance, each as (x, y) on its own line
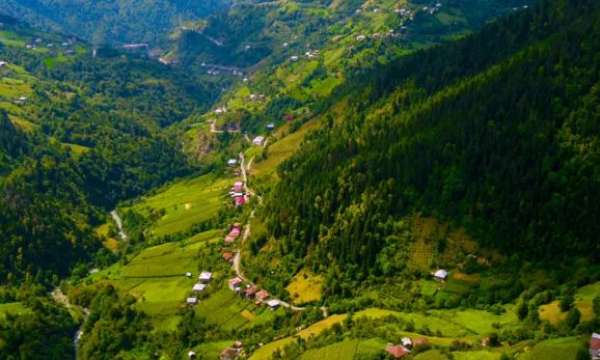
(228, 256)
(191, 300)
(262, 295)
(595, 346)
(397, 351)
(259, 140)
(440, 274)
(199, 287)
(234, 284)
(273, 304)
(205, 276)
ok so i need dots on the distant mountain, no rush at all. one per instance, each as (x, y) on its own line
(111, 21)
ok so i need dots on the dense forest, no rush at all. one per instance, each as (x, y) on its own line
(503, 142)
(111, 21)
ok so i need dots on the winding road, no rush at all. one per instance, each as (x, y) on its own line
(237, 260)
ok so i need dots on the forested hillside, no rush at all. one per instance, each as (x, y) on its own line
(79, 133)
(497, 132)
(251, 32)
(111, 21)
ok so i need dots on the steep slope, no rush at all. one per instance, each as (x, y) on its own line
(111, 21)
(502, 142)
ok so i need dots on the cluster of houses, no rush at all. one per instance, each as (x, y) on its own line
(432, 9)
(256, 97)
(252, 292)
(203, 280)
(311, 54)
(66, 45)
(237, 194)
(399, 351)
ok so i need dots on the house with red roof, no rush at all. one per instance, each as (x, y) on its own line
(595, 346)
(262, 295)
(234, 284)
(228, 256)
(234, 233)
(239, 200)
(397, 351)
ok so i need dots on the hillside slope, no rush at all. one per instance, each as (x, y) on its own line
(501, 142)
(79, 133)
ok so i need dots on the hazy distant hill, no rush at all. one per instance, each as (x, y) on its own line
(110, 21)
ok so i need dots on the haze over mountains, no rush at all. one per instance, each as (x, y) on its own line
(112, 21)
(300, 180)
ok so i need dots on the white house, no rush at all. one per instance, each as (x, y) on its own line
(199, 287)
(440, 274)
(3, 64)
(273, 304)
(406, 342)
(259, 140)
(192, 300)
(205, 276)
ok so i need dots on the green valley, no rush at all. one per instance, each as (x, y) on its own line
(302, 180)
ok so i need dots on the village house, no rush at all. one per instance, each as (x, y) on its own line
(3, 64)
(192, 300)
(259, 140)
(199, 287)
(228, 256)
(273, 304)
(234, 284)
(440, 274)
(205, 276)
(294, 58)
(232, 162)
(232, 352)
(233, 234)
(188, 274)
(270, 126)
(191, 355)
(21, 100)
(239, 200)
(262, 295)
(406, 342)
(238, 187)
(595, 346)
(250, 291)
(397, 351)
